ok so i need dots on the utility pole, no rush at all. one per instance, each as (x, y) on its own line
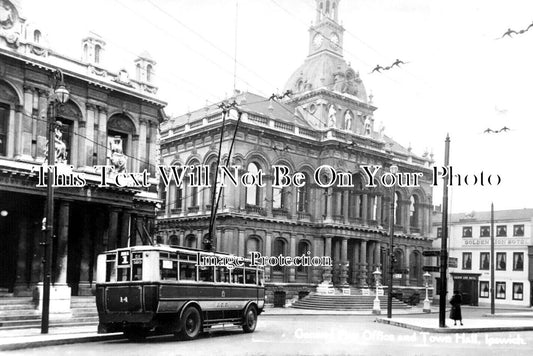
(444, 241)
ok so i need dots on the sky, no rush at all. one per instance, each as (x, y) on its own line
(461, 77)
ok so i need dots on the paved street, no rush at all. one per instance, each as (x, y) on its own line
(312, 335)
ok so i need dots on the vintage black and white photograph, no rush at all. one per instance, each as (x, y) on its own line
(266, 177)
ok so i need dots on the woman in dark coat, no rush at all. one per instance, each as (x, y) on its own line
(455, 314)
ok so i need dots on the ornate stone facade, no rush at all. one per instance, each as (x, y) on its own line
(327, 121)
(89, 219)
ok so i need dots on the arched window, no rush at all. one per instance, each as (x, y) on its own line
(190, 241)
(174, 240)
(355, 198)
(149, 73)
(97, 53)
(327, 7)
(303, 248)
(398, 261)
(36, 36)
(120, 131)
(178, 200)
(415, 268)
(253, 244)
(252, 191)
(279, 249)
(302, 197)
(413, 211)
(85, 52)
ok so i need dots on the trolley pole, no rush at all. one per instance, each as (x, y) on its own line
(444, 241)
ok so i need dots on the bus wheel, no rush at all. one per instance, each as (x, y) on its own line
(250, 319)
(191, 324)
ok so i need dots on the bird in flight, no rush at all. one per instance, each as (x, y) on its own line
(378, 69)
(488, 131)
(397, 62)
(509, 33)
(504, 129)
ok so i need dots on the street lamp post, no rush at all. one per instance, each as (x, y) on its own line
(377, 278)
(427, 306)
(393, 170)
(61, 96)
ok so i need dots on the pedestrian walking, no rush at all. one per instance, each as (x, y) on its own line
(455, 313)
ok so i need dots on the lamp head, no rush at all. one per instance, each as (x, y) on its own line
(62, 93)
(393, 169)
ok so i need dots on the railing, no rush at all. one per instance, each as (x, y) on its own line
(176, 211)
(193, 209)
(309, 133)
(281, 212)
(303, 216)
(254, 209)
(284, 126)
(259, 119)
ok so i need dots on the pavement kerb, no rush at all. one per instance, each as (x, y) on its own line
(20, 345)
(449, 330)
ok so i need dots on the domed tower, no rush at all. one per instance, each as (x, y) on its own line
(327, 90)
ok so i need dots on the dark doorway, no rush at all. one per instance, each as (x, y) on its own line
(468, 286)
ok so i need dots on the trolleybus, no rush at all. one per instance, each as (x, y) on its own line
(164, 289)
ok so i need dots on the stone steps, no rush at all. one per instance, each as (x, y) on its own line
(316, 301)
(17, 312)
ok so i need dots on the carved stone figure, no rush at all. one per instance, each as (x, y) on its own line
(368, 126)
(348, 119)
(117, 157)
(332, 116)
(60, 147)
(7, 17)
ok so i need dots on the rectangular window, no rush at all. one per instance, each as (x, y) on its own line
(251, 276)
(518, 261)
(137, 266)
(483, 289)
(223, 275)
(187, 271)
(467, 231)
(501, 261)
(277, 198)
(518, 291)
(467, 260)
(484, 231)
(238, 275)
(111, 268)
(4, 118)
(484, 262)
(206, 274)
(169, 269)
(518, 230)
(500, 290)
(501, 230)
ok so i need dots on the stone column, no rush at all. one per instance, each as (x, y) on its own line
(326, 275)
(241, 243)
(62, 242)
(113, 230)
(86, 156)
(85, 284)
(142, 144)
(329, 202)
(268, 252)
(292, 269)
(41, 124)
(407, 253)
(365, 209)
(22, 281)
(268, 195)
(18, 127)
(377, 255)
(345, 207)
(125, 229)
(152, 148)
(355, 262)
(318, 250)
(344, 262)
(378, 210)
(362, 259)
(133, 162)
(27, 123)
(101, 133)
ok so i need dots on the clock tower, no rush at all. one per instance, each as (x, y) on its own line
(326, 34)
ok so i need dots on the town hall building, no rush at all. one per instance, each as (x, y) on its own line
(326, 121)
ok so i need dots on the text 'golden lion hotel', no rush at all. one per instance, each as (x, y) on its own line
(328, 120)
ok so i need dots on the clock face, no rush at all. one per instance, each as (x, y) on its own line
(317, 40)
